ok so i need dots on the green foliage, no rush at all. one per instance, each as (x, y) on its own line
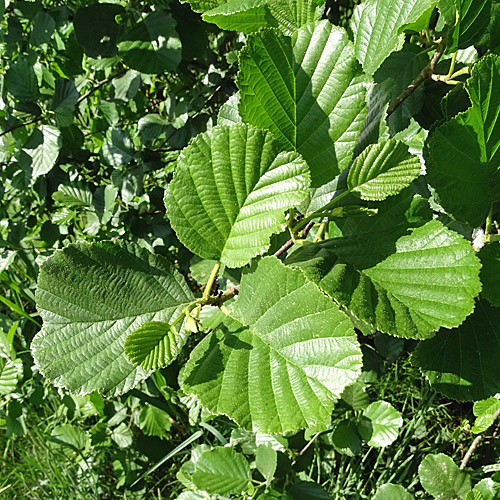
(268, 248)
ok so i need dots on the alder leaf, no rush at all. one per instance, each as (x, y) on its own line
(378, 27)
(222, 471)
(472, 19)
(153, 345)
(292, 14)
(284, 370)
(465, 378)
(382, 170)
(380, 424)
(463, 154)
(91, 297)
(308, 90)
(408, 286)
(392, 492)
(43, 146)
(230, 191)
(246, 16)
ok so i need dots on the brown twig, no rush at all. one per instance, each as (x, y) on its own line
(475, 444)
(98, 85)
(306, 447)
(426, 73)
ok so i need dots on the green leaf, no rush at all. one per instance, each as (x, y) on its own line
(97, 30)
(293, 14)
(91, 297)
(152, 45)
(204, 5)
(380, 424)
(266, 460)
(308, 90)
(488, 489)
(442, 478)
(471, 378)
(151, 127)
(43, 28)
(117, 149)
(69, 436)
(491, 37)
(286, 369)
(472, 19)
(382, 170)
(21, 81)
(222, 471)
(11, 371)
(246, 16)
(392, 492)
(228, 113)
(408, 286)
(463, 154)
(490, 273)
(378, 28)
(355, 396)
(153, 345)
(154, 422)
(230, 191)
(484, 411)
(345, 438)
(43, 147)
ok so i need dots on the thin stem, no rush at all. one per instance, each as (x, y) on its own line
(489, 221)
(321, 230)
(426, 73)
(211, 281)
(475, 444)
(452, 65)
(98, 85)
(23, 124)
(306, 447)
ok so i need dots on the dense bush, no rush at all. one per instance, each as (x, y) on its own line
(250, 248)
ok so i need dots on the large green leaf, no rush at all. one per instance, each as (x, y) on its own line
(222, 471)
(382, 170)
(463, 154)
(153, 45)
(442, 478)
(474, 376)
(230, 191)
(378, 28)
(283, 371)
(406, 286)
(246, 16)
(21, 81)
(473, 17)
(91, 297)
(308, 90)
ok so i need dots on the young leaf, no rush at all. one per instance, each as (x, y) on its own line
(154, 422)
(153, 345)
(380, 424)
(285, 370)
(91, 297)
(43, 146)
(308, 90)
(484, 411)
(474, 377)
(222, 471)
(392, 492)
(230, 191)
(442, 478)
(379, 25)
(246, 16)
(382, 170)
(463, 154)
(408, 286)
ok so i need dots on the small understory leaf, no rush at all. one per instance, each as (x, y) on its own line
(475, 376)
(408, 286)
(91, 297)
(392, 492)
(284, 370)
(308, 90)
(380, 424)
(153, 345)
(442, 478)
(382, 170)
(230, 192)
